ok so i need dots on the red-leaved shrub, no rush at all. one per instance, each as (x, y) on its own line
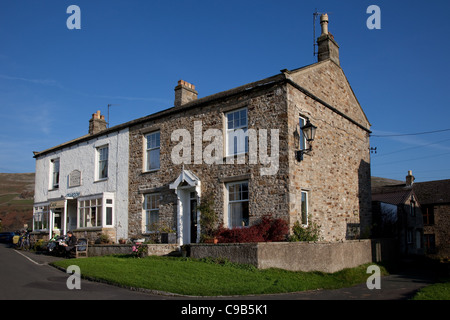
(267, 229)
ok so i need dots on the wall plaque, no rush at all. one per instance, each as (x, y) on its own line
(74, 178)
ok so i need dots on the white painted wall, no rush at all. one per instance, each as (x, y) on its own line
(82, 157)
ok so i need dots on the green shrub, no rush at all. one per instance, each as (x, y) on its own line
(305, 233)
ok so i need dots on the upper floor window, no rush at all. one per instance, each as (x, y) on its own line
(103, 162)
(412, 208)
(237, 135)
(55, 173)
(152, 151)
(302, 141)
(428, 214)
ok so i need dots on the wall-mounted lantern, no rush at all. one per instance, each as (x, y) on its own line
(309, 132)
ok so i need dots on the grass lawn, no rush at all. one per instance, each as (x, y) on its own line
(207, 277)
(438, 291)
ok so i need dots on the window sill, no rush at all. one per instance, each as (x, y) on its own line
(150, 171)
(101, 180)
(236, 155)
(88, 229)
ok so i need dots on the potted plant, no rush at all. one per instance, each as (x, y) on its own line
(168, 235)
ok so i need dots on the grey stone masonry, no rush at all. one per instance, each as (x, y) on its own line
(336, 173)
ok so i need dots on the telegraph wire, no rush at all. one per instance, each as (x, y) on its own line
(406, 134)
(414, 147)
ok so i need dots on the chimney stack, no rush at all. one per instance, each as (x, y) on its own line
(97, 123)
(327, 46)
(409, 179)
(184, 93)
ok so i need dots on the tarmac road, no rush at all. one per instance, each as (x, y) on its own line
(26, 275)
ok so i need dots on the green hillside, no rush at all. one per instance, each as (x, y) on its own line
(16, 200)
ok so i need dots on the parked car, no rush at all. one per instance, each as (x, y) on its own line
(6, 237)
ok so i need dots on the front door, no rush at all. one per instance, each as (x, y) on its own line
(193, 216)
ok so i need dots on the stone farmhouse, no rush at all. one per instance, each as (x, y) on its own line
(422, 221)
(434, 197)
(294, 145)
(397, 214)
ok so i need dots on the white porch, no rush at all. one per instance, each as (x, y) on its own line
(188, 189)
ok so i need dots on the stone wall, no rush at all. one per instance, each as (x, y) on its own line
(300, 256)
(336, 173)
(109, 249)
(266, 110)
(441, 230)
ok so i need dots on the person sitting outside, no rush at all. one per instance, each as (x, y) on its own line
(70, 243)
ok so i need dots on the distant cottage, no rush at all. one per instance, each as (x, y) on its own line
(294, 145)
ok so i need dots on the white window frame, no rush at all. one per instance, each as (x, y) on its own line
(41, 216)
(55, 175)
(99, 151)
(152, 147)
(304, 216)
(302, 140)
(151, 210)
(237, 132)
(102, 202)
(230, 202)
(108, 203)
(85, 207)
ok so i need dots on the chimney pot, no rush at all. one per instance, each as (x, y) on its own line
(327, 46)
(184, 93)
(324, 23)
(97, 123)
(410, 179)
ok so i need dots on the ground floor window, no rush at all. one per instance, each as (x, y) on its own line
(238, 212)
(96, 212)
(304, 207)
(40, 218)
(90, 213)
(151, 208)
(430, 243)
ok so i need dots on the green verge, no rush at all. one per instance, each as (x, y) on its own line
(438, 291)
(208, 277)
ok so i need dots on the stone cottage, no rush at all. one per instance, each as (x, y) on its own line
(397, 214)
(434, 197)
(245, 149)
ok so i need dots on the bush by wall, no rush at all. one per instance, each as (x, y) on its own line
(268, 229)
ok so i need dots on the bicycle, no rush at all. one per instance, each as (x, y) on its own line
(24, 242)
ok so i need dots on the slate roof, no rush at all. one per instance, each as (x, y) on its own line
(433, 192)
(396, 198)
(429, 192)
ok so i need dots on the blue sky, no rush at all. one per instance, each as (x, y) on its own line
(131, 53)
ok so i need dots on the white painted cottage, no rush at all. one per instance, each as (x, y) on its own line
(82, 185)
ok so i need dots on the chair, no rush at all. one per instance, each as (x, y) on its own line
(81, 248)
